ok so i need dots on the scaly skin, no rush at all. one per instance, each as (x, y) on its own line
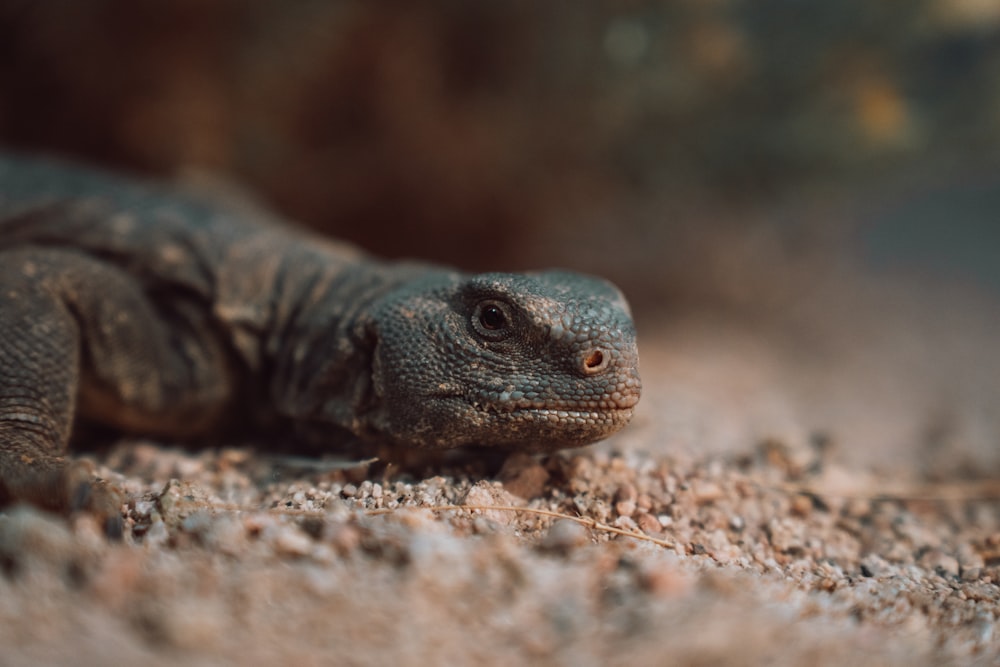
(157, 313)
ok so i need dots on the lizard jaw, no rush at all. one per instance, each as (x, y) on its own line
(554, 414)
(557, 426)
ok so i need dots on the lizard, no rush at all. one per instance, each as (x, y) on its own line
(139, 306)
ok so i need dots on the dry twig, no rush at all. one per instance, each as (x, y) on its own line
(593, 524)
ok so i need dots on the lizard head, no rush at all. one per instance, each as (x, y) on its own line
(535, 361)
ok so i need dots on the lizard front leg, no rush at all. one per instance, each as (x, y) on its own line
(39, 370)
(81, 337)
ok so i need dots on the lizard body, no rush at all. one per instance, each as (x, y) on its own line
(156, 312)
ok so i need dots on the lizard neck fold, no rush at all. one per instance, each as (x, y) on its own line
(319, 353)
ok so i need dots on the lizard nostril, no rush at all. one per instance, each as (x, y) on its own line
(595, 362)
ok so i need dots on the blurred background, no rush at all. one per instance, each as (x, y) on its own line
(830, 167)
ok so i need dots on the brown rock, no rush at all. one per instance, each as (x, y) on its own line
(648, 523)
(801, 505)
(706, 492)
(563, 536)
(665, 579)
(940, 562)
(625, 500)
(523, 476)
(484, 493)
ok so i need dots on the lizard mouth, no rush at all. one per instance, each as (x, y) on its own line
(557, 411)
(511, 402)
(535, 424)
(604, 415)
(545, 428)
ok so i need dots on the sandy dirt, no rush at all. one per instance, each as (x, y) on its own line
(797, 493)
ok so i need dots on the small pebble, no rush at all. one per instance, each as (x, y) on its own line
(802, 505)
(626, 523)
(523, 476)
(564, 535)
(940, 562)
(626, 493)
(665, 578)
(291, 541)
(706, 492)
(625, 508)
(345, 538)
(648, 523)
(485, 493)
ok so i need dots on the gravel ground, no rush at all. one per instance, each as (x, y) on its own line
(774, 502)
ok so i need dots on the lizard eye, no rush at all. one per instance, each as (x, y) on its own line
(492, 320)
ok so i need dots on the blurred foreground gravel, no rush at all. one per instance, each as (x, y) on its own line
(786, 548)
